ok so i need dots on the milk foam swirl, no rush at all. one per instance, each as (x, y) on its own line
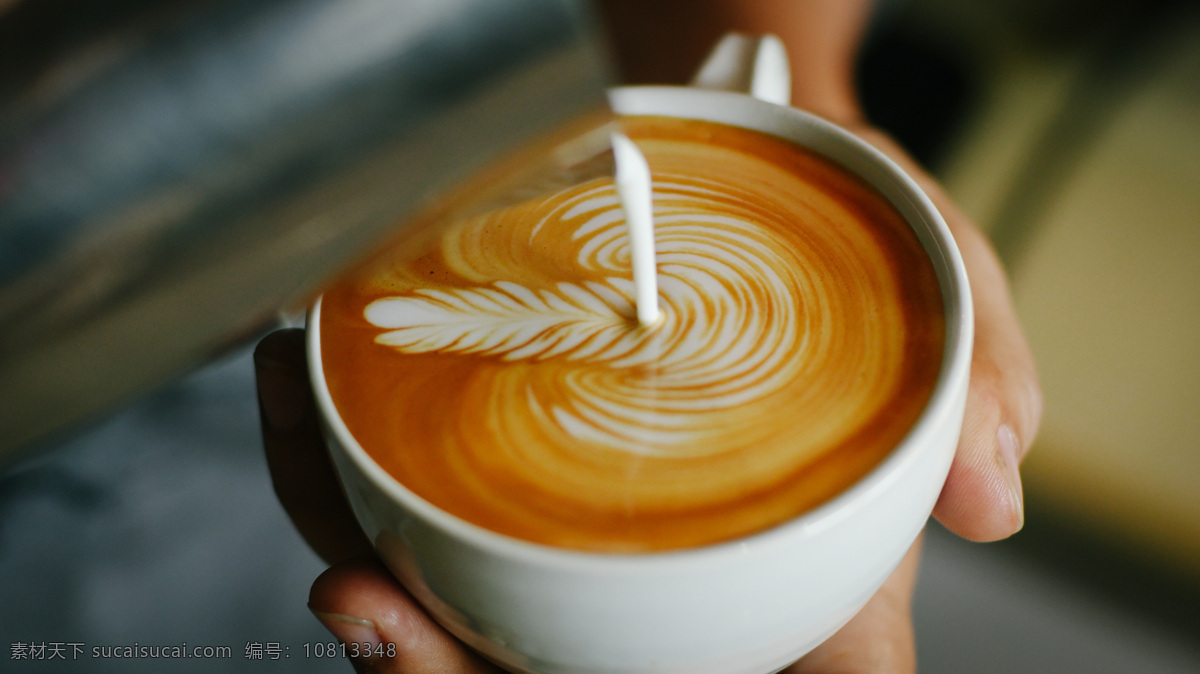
(717, 347)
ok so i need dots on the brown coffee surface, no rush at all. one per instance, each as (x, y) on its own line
(503, 378)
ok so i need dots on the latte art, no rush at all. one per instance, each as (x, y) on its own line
(718, 346)
(504, 378)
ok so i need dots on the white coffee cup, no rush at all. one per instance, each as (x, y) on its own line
(753, 605)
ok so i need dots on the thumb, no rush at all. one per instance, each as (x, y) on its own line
(383, 628)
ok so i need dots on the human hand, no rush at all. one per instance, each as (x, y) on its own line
(359, 601)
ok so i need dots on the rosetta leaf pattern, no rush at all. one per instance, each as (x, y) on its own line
(507, 320)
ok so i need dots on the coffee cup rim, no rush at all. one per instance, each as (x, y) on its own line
(951, 381)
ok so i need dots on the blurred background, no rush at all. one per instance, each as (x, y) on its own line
(1069, 130)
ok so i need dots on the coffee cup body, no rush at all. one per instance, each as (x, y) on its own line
(751, 605)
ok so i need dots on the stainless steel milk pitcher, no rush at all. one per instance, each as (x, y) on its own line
(173, 173)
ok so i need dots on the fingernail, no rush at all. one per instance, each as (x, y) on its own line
(283, 396)
(350, 630)
(1008, 447)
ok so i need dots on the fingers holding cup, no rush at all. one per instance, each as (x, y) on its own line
(301, 473)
